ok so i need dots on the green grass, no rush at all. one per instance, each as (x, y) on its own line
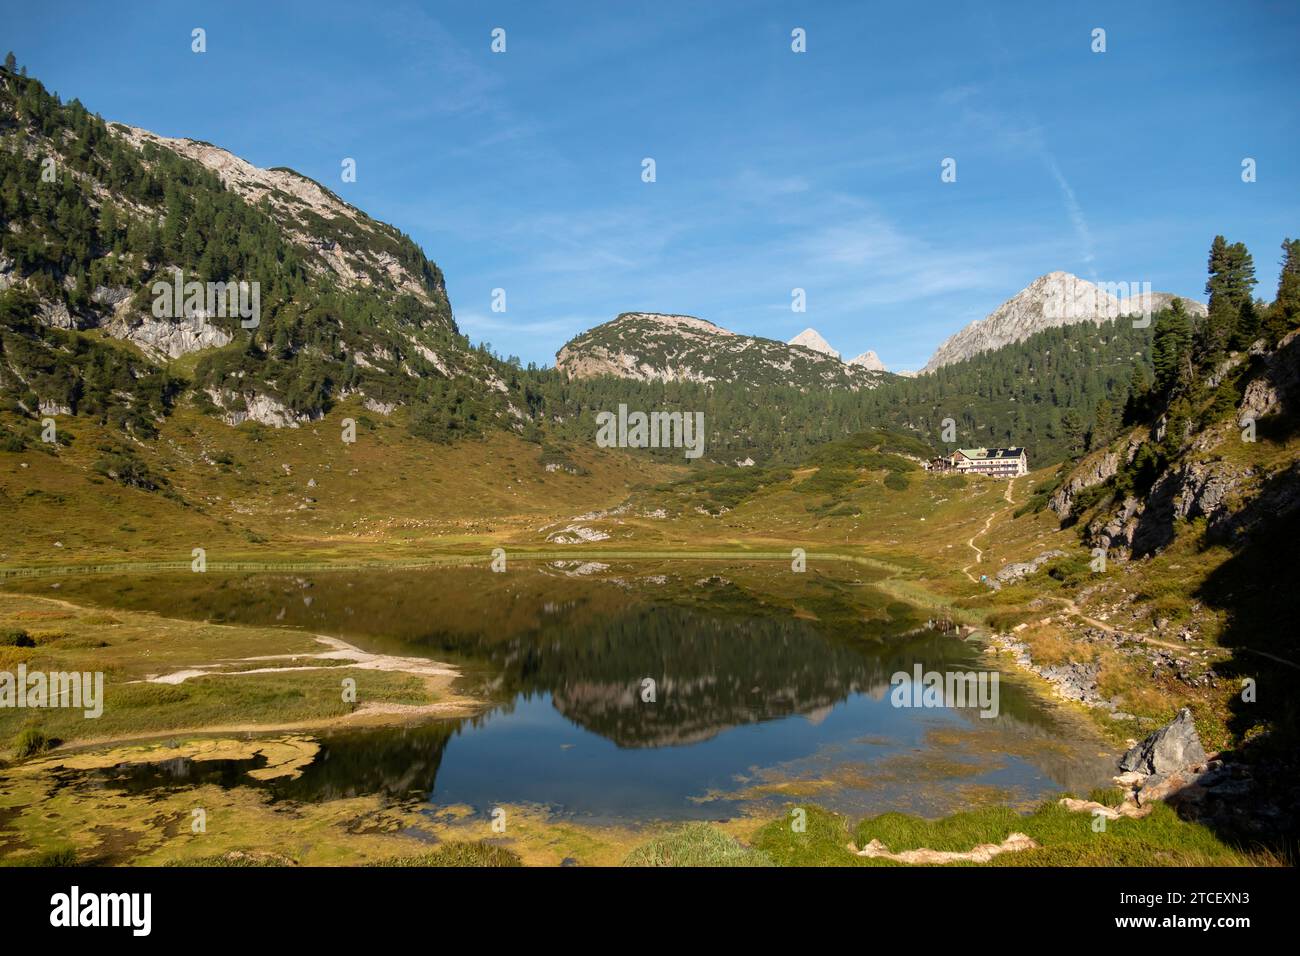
(823, 841)
(459, 855)
(128, 646)
(1065, 839)
(30, 742)
(696, 844)
(60, 856)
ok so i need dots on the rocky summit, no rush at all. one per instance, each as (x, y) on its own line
(812, 339)
(869, 360)
(1055, 299)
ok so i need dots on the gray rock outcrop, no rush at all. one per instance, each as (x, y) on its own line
(1022, 569)
(1171, 749)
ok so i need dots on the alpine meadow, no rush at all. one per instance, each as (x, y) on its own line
(493, 491)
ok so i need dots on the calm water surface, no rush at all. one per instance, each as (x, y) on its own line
(769, 687)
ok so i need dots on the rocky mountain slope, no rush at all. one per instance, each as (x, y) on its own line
(98, 217)
(650, 347)
(340, 240)
(1055, 299)
(1219, 470)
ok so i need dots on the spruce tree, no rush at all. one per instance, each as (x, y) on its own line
(1284, 314)
(1231, 279)
(1247, 326)
(1103, 424)
(1171, 348)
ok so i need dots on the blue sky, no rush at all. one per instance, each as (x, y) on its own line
(775, 170)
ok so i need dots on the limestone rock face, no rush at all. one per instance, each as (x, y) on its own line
(1195, 489)
(1266, 394)
(238, 408)
(1014, 572)
(1092, 471)
(812, 339)
(869, 360)
(170, 338)
(1055, 299)
(301, 204)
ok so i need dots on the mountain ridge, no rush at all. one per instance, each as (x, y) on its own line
(347, 305)
(659, 347)
(1054, 299)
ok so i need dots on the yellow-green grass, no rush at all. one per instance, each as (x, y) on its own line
(391, 498)
(49, 815)
(696, 844)
(229, 492)
(129, 646)
(1065, 838)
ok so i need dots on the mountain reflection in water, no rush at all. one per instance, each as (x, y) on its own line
(760, 679)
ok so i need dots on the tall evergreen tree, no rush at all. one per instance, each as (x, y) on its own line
(1231, 280)
(1284, 314)
(1103, 425)
(1247, 329)
(1171, 349)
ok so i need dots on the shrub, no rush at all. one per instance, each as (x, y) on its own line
(459, 855)
(61, 856)
(31, 741)
(16, 638)
(696, 844)
(126, 469)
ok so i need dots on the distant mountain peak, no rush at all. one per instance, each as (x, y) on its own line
(810, 338)
(869, 359)
(654, 347)
(1055, 299)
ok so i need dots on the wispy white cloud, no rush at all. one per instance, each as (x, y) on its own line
(1075, 212)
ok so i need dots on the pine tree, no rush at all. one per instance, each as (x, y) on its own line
(1231, 279)
(1103, 424)
(1247, 326)
(1284, 314)
(1171, 349)
(1137, 403)
(1072, 432)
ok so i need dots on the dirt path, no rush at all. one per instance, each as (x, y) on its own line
(1075, 611)
(979, 553)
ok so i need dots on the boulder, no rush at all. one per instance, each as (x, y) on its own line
(1014, 572)
(1168, 750)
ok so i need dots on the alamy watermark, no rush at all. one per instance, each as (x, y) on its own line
(41, 689)
(74, 908)
(946, 689)
(651, 430)
(179, 299)
(1071, 298)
